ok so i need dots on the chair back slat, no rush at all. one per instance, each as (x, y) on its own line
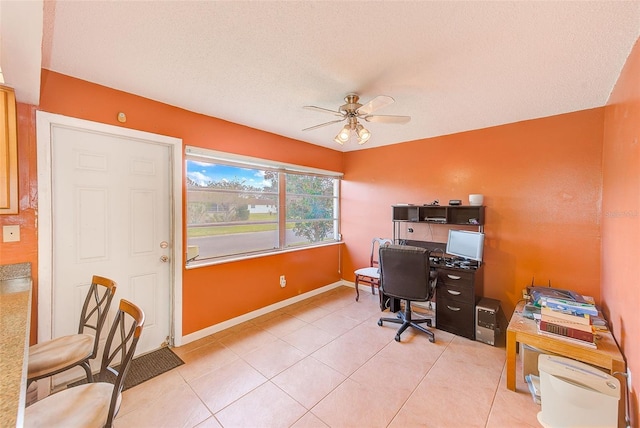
(96, 308)
(376, 244)
(119, 350)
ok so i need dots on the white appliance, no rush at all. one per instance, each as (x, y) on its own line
(575, 394)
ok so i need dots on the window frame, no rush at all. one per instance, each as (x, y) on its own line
(230, 159)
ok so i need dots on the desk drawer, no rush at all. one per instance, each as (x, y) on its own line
(459, 277)
(458, 292)
(456, 317)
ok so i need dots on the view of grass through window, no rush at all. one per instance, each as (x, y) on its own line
(234, 210)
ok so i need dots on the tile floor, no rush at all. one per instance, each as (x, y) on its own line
(325, 362)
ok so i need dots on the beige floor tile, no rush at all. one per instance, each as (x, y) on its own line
(309, 338)
(244, 326)
(274, 357)
(354, 405)
(371, 332)
(387, 372)
(357, 311)
(222, 387)
(205, 359)
(347, 354)
(265, 406)
(147, 392)
(308, 381)
(247, 341)
(181, 350)
(309, 420)
(332, 366)
(212, 422)
(308, 313)
(282, 325)
(464, 374)
(441, 404)
(511, 409)
(336, 324)
(335, 301)
(419, 355)
(177, 407)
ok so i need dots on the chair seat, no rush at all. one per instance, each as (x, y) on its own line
(81, 406)
(371, 272)
(58, 353)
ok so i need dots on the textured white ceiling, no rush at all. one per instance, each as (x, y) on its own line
(452, 66)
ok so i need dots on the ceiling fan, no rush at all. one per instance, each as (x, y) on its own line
(352, 111)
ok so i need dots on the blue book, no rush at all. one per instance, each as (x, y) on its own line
(569, 306)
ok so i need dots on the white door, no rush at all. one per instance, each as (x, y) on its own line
(111, 203)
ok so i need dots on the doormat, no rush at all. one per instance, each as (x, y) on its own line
(145, 367)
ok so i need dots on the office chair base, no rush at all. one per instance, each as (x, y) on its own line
(404, 318)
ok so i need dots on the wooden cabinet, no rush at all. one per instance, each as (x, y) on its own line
(8, 152)
(457, 293)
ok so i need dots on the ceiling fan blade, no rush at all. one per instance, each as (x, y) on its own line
(375, 104)
(387, 119)
(322, 124)
(323, 110)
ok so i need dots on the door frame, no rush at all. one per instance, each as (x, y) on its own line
(44, 125)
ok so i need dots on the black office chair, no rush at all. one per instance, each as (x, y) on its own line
(405, 274)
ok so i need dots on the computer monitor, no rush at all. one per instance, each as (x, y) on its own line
(465, 244)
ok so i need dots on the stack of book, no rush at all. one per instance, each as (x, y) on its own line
(569, 320)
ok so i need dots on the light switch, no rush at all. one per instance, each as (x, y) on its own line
(11, 233)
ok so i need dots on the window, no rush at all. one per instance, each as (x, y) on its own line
(239, 206)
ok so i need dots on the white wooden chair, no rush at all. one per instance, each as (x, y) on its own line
(370, 274)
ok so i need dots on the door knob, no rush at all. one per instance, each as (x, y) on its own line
(164, 259)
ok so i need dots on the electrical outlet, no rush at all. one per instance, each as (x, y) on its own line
(283, 281)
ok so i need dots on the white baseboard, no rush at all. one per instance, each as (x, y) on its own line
(259, 312)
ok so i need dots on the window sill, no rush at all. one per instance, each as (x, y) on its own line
(205, 263)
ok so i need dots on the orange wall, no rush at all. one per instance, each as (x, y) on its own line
(541, 181)
(216, 293)
(27, 249)
(621, 216)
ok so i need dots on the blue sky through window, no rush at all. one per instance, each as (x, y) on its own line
(203, 173)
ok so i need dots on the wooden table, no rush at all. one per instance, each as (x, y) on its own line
(524, 330)
(607, 355)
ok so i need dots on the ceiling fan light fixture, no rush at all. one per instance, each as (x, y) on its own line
(353, 111)
(363, 134)
(343, 135)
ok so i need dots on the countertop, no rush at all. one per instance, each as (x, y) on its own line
(15, 316)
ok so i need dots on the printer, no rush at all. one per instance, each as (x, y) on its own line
(574, 394)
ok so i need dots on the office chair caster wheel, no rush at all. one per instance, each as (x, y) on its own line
(397, 338)
(432, 339)
(380, 323)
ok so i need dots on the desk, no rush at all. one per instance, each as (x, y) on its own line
(524, 330)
